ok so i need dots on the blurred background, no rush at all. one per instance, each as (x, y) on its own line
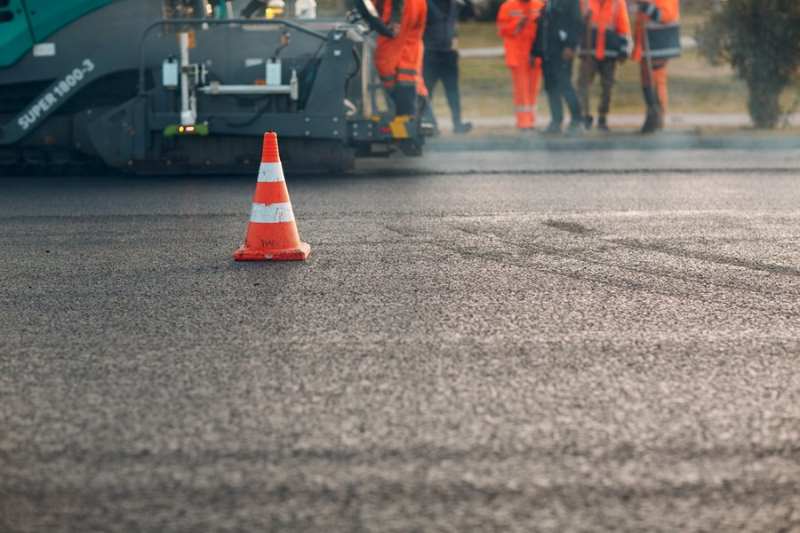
(703, 81)
(738, 69)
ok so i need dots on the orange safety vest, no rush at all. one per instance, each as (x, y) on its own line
(603, 14)
(518, 42)
(669, 11)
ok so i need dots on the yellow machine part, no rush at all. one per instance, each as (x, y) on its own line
(399, 126)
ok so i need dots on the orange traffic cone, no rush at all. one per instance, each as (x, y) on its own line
(272, 233)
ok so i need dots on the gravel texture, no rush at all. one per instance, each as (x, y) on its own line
(482, 341)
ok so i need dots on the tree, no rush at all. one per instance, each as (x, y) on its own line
(760, 39)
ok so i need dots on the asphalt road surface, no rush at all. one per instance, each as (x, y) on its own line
(482, 341)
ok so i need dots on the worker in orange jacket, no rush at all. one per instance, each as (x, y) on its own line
(398, 59)
(606, 41)
(654, 14)
(516, 24)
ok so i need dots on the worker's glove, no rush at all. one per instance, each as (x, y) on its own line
(649, 9)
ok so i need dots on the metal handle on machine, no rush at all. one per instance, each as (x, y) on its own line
(216, 22)
(215, 89)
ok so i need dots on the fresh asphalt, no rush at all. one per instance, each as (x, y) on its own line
(480, 341)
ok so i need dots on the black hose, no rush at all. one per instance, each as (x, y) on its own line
(251, 120)
(357, 58)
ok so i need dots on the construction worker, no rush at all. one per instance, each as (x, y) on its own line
(559, 32)
(398, 58)
(516, 23)
(441, 58)
(655, 15)
(606, 41)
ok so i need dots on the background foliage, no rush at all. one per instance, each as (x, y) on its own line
(760, 39)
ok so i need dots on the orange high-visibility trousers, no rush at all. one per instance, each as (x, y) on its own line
(527, 81)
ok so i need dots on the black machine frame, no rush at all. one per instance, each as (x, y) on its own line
(340, 112)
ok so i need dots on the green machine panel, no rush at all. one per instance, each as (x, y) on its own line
(15, 36)
(48, 16)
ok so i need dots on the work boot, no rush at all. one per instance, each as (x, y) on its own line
(650, 121)
(659, 118)
(553, 129)
(588, 121)
(429, 129)
(575, 128)
(602, 124)
(462, 128)
(427, 120)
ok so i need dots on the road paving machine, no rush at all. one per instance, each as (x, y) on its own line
(190, 86)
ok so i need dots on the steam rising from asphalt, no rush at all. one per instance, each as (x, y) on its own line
(633, 155)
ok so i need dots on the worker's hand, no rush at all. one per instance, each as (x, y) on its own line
(568, 54)
(395, 28)
(648, 8)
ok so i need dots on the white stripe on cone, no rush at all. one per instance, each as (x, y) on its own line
(270, 172)
(270, 213)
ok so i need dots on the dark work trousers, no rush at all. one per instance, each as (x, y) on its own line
(590, 66)
(443, 65)
(558, 84)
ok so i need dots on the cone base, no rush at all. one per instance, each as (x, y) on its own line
(260, 254)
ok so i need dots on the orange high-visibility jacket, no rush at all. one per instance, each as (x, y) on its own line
(518, 41)
(603, 15)
(398, 59)
(669, 12)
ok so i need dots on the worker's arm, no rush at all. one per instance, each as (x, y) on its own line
(506, 24)
(623, 23)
